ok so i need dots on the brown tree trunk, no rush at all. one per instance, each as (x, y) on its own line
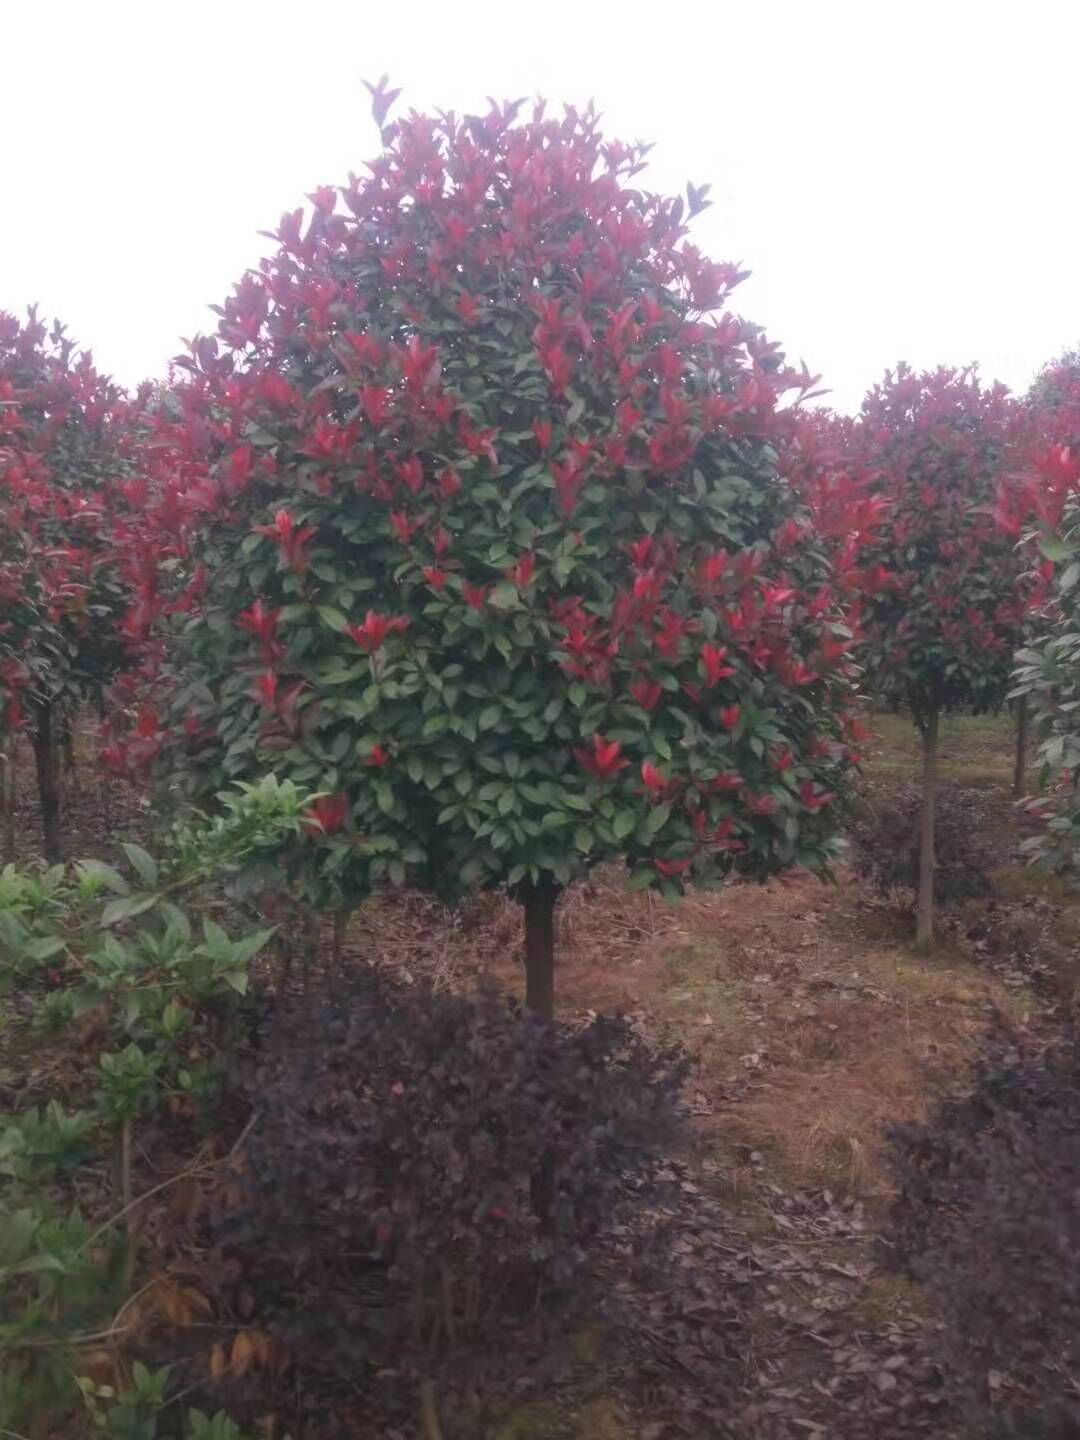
(67, 750)
(48, 789)
(337, 953)
(539, 905)
(924, 913)
(7, 796)
(1020, 765)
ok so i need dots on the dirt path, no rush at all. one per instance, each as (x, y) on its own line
(815, 1028)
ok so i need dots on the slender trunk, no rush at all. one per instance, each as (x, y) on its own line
(67, 750)
(104, 778)
(48, 790)
(539, 904)
(340, 934)
(1020, 765)
(429, 1414)
(310, 946)
(106, 783)
(7, 797)
(924, 914)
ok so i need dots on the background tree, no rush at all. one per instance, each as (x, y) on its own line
(1042, 500)
(1031, 491)
(477, 485)
(941, 593)
(61, 593)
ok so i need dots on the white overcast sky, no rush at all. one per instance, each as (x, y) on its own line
(903, 179)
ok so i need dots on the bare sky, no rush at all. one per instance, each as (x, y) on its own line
(901, 178)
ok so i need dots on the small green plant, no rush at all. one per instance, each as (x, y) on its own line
(131, 1415)
(91, 940)
(43, 1141)
(212, 1427)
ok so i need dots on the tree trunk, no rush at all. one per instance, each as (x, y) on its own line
(67, 750)
(924, 914)
(1020, 766)
(539, 904)
(7, 797)
(48, 789)
(340, 934)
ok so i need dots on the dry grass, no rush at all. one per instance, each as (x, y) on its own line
(980, 743)
(813, 1028)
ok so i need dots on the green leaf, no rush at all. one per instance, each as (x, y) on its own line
(384, 797)
(332, 616)
(176, 919)
(248, 946)
(126, 908)
(43, 947)
(35, 1264)
(657, 819)
(625, 821)
(106, 873)
(642, 878)
(504, 596)
(215, 937)
(1055, 549)
(237, 979)
(143, 864)
(16, 1236)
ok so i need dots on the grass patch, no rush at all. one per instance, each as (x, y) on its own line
(976, 750)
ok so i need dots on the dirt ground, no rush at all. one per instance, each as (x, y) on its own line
(814, 1027)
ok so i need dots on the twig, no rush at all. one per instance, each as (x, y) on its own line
(665, 1349)
(69, 1341)
(244, 1133)
(131, 1300)
(198, 1169)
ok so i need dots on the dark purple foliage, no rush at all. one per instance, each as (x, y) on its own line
(421, 1164)
(887, 843)
(988, 1219)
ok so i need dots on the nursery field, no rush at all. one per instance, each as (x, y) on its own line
(755, 1295)
(538, 887)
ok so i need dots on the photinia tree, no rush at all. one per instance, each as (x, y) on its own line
(941, 592)
(1041, 502)
(476, 502)
(62, 596)
(822, 455)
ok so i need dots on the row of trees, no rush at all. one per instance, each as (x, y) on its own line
(483, 517)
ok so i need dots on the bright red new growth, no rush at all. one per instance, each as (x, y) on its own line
(68, 556)
(472, 512)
